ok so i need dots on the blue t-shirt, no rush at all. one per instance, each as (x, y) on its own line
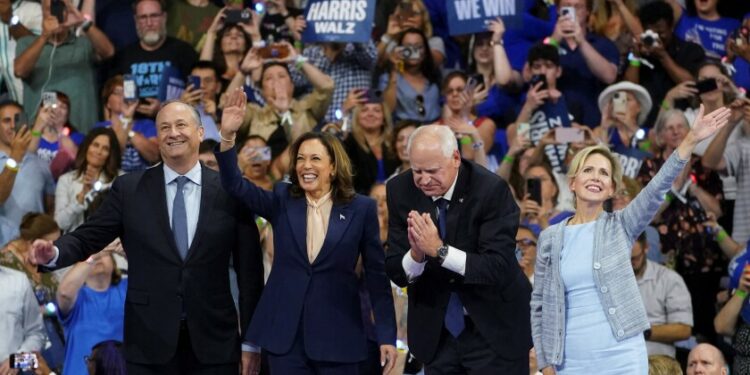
(131, 160)
(735, 269)
(578, 81)
(741, 75)
(95, 317)
(711, 35)
(48, 150)
(518, 41)
(498, 105)
(408, 100)
(33, 183)
(548, 116)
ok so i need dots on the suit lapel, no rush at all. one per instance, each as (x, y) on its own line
(209, 189)
(155, 189)
(297, 216)
(338, 222)
(456, 205)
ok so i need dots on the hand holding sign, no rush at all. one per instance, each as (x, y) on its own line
(497, 27)
(218, 23)
(338, 21)
(251, 62)
(474, 16)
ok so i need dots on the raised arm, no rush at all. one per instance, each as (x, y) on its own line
(643, 208)
(257, 199)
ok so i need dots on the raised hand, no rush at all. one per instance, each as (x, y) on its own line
(234, 113)
(705, 126)
(497, 27)
(252, 61)
(41, 252)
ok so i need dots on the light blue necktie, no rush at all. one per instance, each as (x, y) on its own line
(179, 218)
(454, 313)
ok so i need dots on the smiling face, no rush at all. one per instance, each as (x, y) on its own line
(370, 117)
(483, 50)
(98, 152)
(179, 135)
(314, 168)
(8, 124)
(706, 6)
(593, 181)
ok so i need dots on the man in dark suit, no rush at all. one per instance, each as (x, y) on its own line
(179, 229)
(451, 240)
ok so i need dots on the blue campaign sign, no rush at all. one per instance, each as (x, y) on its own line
(338, 21)
(471, 16)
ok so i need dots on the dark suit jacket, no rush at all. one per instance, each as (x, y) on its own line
(160, 282)
(482, 221)
(323, 296)
(365, 165)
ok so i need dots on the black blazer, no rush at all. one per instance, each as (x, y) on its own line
(482, 221)
(365, 165)
(160, 282)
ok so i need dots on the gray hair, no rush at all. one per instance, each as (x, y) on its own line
(193, 110)
(661, 121)
(443, 133)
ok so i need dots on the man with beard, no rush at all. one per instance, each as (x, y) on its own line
(154, 55)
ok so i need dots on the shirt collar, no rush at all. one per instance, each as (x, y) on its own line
(194, 174)
(650, 273)
(448, 194)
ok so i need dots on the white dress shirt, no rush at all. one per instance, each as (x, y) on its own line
(454, 261)
(191, 192)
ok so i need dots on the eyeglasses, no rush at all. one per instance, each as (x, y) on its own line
(143, 18)
(525, 242)
(420, 106)
(456, 90)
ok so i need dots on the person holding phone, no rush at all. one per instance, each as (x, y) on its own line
(20, 319)
(625, 107)
(254, 160)
(539, 206)
(460, 93)
(190, 20)
(35, 65)
(586, 310)
(589, 60)
(544, 108)
(202, 91)
(309, 316)
(410, 14)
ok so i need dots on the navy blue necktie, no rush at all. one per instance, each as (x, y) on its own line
(179, 218)
(454, 313)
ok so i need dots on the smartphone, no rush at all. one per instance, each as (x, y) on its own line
(741, 35)
(478, 78)
(274, 51)
(129, 89)
(471, 84)
(264, 153)
(19, 120)
(523, 130)
(23, 361)
(534, 189)
(569, 12)
(620, 103)
(234, 16)
(569, 135)
(57, 9)
(706, 85)
(608, 205)
(374, 96)
(536, 78)
(49, 98)
(195, 81)
(699, 214)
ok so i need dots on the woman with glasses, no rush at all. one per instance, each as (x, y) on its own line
(411, 85)
(526, 251)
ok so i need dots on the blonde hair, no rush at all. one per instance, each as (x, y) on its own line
(581, 156)
(426, 23)
(663, 365)
(601, 12)
(386, 131)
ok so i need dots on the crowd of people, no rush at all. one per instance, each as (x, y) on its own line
(184, 189)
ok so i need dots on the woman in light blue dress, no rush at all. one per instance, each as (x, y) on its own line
(587, 316)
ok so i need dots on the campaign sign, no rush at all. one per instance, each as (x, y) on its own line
(338, 21)
(171, 85)
(472, 16)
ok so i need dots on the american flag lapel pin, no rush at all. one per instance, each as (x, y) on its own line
(342, 217)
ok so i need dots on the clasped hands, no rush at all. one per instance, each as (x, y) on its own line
(424, 237)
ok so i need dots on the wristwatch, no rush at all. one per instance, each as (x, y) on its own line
(442, 253)
(11, 164)
(131, 134)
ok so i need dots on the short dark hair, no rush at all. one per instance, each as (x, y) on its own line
(541, 51)
(10, 102)
(653, 12)
(271, 64)
(108, 358)
(203, 64)
(342, 185)
(112, 166)
(35, 225)
(208, 145)
(643, 240)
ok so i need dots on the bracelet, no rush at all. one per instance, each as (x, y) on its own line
(477, 145)
(90, 260)
(386, 39)
(299, 61)
(741, 293)
(497, 43)
(722, 235)
(227, 140)
(668, 197)
(36, 133)
(665, 105)
(508, 158)
(465, 140)
(552, 41)
(635, 63)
